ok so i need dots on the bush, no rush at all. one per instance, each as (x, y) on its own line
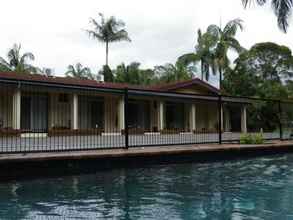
(258, 138)
(246, 139)
(251, 139)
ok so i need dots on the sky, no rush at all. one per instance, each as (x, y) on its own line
(160, 30)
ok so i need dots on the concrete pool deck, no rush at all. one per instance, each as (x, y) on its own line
(14, 166)
(143, 152)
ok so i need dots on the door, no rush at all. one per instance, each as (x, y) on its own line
(97, 112)
(25, 113)
(34, 113)
(39, 113)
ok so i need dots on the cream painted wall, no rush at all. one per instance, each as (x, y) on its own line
(83, 117)
(59, 112)
(111, 114)
(206, 116)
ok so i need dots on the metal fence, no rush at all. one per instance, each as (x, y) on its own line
(47, 117)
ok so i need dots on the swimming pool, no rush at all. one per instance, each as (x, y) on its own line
(258, 188)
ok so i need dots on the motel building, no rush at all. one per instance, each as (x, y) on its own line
(37, 110)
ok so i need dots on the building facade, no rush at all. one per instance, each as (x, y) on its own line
(54, 106)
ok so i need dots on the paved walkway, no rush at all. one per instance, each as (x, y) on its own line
(141, 151)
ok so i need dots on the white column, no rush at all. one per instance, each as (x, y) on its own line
(16, 109)
(243, 120)
(193, 117)
(121, 120)
(74, 117)
(161, 122)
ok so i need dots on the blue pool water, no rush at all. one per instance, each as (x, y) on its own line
(259, 188)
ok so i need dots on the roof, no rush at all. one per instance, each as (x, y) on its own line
(65, 81)
(93, 83)
(186, 83)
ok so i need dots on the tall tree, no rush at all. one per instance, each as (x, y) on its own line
(224, 41)
(133, 74)
(203, 54)
(108, 31)
(79, 71)
(107, 73)
(261, 71)
(18, 62)
(171, 73)
(281, 8)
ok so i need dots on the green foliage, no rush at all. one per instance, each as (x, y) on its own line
(170, 73)
(107, 73)
(246, 139)
(261, 72)
(108, 31)
(135, 75)
(79, 71)
(212, 48)
(132, 74)
(18, 62)
(203, 54)
(282, 9)
(258, 138)
(251, 138)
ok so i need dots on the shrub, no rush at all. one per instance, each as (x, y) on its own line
(246, 139)
(258, 138)
(251, 138)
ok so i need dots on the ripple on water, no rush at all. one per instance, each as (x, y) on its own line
(260, 188)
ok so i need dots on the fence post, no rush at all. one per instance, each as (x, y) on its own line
(126, 118)
(280, 120)
(220, 118)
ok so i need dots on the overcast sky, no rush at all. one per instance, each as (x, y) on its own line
(160, 30)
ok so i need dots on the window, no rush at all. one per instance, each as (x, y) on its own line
(63, 98)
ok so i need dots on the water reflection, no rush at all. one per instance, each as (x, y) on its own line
(250, 189)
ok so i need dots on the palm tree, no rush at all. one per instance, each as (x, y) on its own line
(172, 73)
(202, 54)
(18, 62)
(133, 74)
(225, 41)
(282, 9)
(108, 31)
(79, 71)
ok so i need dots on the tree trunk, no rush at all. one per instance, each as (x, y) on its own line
(202, 69)
(107, 52)
(220, 80)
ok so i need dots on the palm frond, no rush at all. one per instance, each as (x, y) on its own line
(282, 9)
(213, 30)
(232, 27)
(14, 55)
(121, 35)
(70, 70)
(96, 25)
(188, 58)
(3, 62)
(248, 2)
(96, 35)
(235, 45)
(26, 56)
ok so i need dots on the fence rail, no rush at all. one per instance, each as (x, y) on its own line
(49, 118)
